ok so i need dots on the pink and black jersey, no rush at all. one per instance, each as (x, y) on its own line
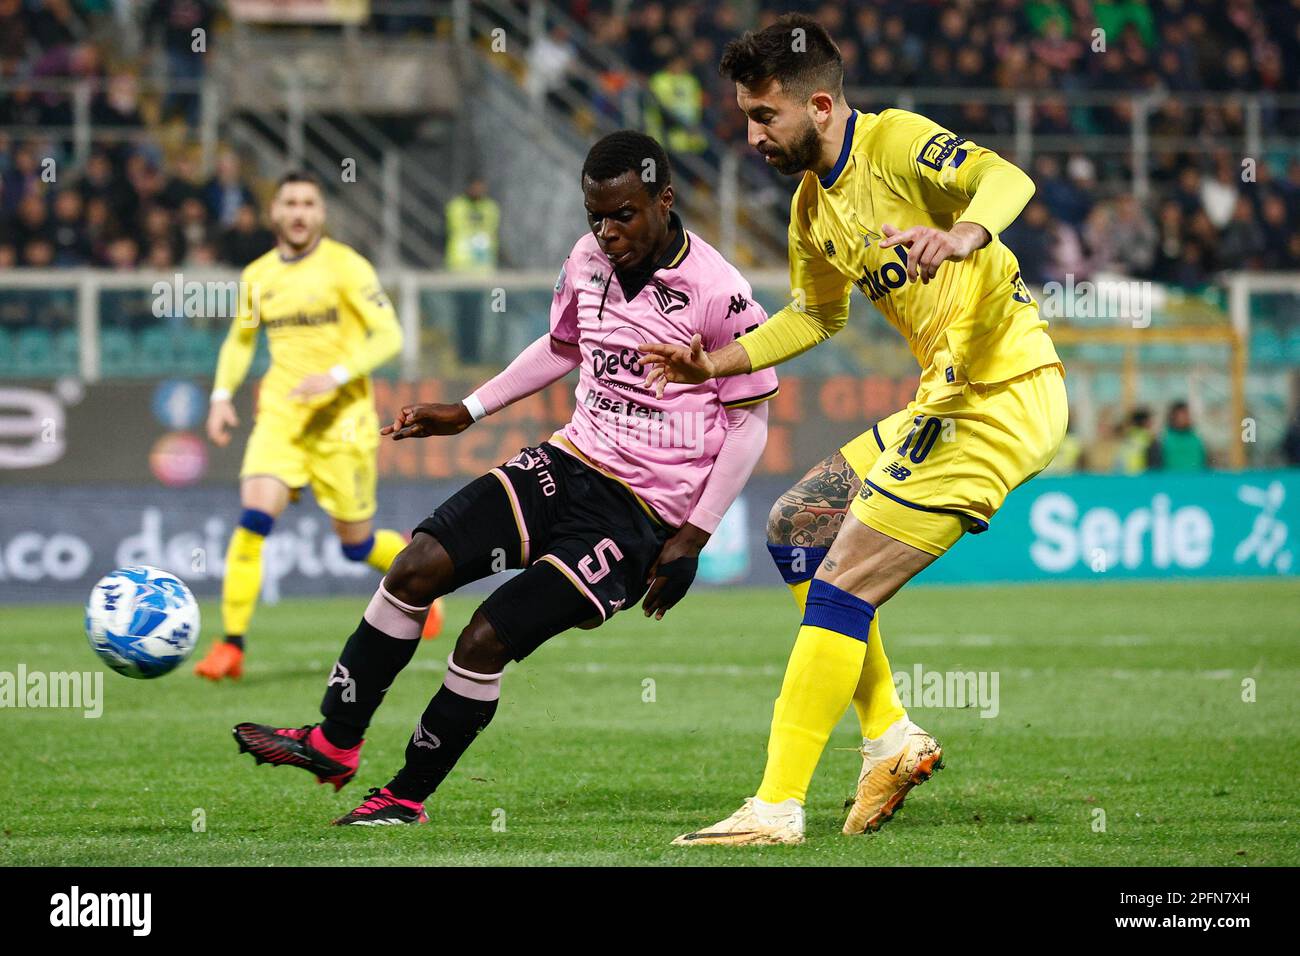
(662, 448)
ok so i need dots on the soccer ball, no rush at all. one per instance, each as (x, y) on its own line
(141, 621)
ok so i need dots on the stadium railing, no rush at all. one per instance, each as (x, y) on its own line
(1233, 353)
(198, 97)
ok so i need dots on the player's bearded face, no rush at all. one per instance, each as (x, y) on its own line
(780, 128)
(796, 156)
(298, 215)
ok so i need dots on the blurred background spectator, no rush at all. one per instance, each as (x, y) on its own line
(1181, 449)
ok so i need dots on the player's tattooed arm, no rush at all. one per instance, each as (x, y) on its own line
(432, 418)
(810, 514)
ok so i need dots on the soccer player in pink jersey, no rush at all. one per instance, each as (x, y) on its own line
(615, 505)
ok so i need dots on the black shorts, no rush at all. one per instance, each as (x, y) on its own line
(587, 542)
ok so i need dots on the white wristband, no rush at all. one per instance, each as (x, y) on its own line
(341, 374)
(220, 395)
(474, 407)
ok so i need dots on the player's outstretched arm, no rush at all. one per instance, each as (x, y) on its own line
(691, 364)
(233, 361)
(545, 361)
(426, 419)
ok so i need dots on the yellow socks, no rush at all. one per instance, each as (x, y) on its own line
(242, 581)
(388, 545)
(819, 679)
(244, 565)
(824, 670)
(379, 550)
(876, 698)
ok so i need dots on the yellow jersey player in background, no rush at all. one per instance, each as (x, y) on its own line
(328, 325)
(910, 214)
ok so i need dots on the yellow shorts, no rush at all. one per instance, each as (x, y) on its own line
(942, 467)
(333, 450)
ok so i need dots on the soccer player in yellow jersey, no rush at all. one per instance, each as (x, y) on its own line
(329, 325)
(910, 214)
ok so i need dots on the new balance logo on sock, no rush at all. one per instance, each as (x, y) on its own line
(422, 738)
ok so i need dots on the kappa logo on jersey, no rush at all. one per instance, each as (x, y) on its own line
(941, 147)
(738, 305)
(597, 279)
(879, 283)
(897, 471)
(668, 299)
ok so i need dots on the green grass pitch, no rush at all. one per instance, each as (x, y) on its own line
(1119, 704)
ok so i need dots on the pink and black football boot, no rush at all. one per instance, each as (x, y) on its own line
(382, 809)
(304, 747)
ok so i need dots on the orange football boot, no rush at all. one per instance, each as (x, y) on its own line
(224, 660)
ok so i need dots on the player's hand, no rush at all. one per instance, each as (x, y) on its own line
(320, 384)
(221, 418)
(433, 418)
(929, 248)
(674, 570)
(677, 363)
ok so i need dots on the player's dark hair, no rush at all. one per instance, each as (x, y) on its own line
(299, 176)
(629, 151)
(795, 50)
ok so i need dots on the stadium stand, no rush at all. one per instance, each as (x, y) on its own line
(1162, 135)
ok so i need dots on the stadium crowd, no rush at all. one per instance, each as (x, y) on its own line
(137, 198)
(1204, 215)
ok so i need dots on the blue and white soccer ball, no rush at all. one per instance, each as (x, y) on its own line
(143, 622)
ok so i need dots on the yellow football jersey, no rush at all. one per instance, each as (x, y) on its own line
(321, 311)
(975, 322)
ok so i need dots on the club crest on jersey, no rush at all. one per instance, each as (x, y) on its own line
(897, 471)
(668, 299)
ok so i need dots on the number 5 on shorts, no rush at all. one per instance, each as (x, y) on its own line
(603, 552)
